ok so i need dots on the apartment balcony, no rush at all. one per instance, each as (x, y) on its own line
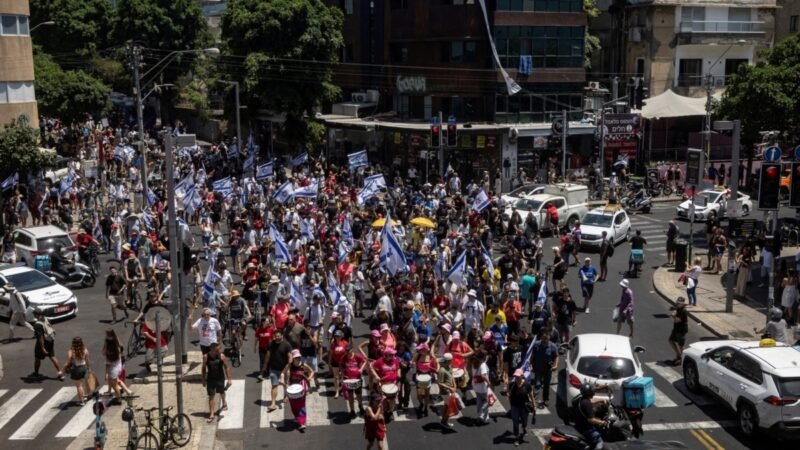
(717, 27)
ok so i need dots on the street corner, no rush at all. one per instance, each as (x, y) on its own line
(665, 282)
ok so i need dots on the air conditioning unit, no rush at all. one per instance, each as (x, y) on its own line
(635, 34)
(594, 85)
(373, 96)
(513, 133)
(359, 97)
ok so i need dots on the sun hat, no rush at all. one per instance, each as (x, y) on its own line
(375, 333)
(624, 283)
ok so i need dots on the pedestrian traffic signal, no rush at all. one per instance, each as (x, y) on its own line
(436, 136)
(769, 186)
(794, 189)
(452, 135)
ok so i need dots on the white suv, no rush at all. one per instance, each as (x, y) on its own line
(33, 241)
(758, 380)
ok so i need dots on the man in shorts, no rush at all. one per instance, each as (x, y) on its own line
(276, 359)
(216, 376)
(209, 328)
(115, 291)
(44, 346)
(588, 276)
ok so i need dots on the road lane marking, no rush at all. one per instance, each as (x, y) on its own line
(705, 439)
(662, 401)
(233, 418)
(673, 426)
(55, 404)
(12, 407)
(711, 440)
(317, 408)
(676, 380)
(84, 418)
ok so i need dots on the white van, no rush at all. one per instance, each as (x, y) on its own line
(34, 241)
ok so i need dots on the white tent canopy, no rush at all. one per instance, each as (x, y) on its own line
(669, 104)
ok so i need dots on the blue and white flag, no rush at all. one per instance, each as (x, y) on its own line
(310, 191)
(10, 182)
(347, 232)
(67, 182)
(449, 171)
(342, 252)
(302, 158)
(357, 159)
(192, 201)
(305, 229)
(224, 186)
(250, 162)
(148, 221)
(265, 171)
(525, 364)
(333, 290)
(152, 199)
(372, 185)
(233, 151)
(542, 297)
(297, 298)
(458, 273)
(252, 148)
(377, 180)
(210, 280)
(281, 250)
(392, 258)
(284, 193)
(487, 259)
(481, 201)
(184, 185)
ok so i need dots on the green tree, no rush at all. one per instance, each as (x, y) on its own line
(68, 94)
(284, 52)
(19, 152)
(591, 42)
(81, 27)
(164, 25)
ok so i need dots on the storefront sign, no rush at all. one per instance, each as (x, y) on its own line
(398, 138)
(622, 131)
(466, 141)
(491, 141)
(415, 140)
(406, 85)
(481, 142)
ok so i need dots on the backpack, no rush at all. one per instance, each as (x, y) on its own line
(610, 249)
(49, 331)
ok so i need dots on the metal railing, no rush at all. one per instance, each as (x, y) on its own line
(700, 80)
(706, 26)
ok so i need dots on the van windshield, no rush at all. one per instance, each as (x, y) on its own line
(47, 244)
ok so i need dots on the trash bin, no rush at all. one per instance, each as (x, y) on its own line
(681, 254)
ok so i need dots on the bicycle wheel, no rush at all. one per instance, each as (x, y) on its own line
(180, 430)
(147, 441)
(133, 345)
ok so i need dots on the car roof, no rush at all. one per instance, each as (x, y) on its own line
(604, 344)
(44, 231)
(543, 197)
(13, 270)
(779, 357)
(605, 211)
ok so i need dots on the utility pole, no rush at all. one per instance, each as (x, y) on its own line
(564, 135)
(136, 56)
(709, 91)
(736, 127)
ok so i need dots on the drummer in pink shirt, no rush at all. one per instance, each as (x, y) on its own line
(387, 337)
(385, 372)
(353, 366)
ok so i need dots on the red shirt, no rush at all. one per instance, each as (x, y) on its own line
(149, 343)
(352, 366)
(84, 239)
(338, 351)
(441, 303)
(386, 372)
(264, 336)
(280, 313)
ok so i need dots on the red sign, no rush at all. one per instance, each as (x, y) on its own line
(491, 141)
(414, 140)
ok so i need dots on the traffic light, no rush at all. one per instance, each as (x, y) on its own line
(452, 135)
(769, 186)
(436, 136)
(794, 189)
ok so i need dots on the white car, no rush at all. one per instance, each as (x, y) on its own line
(522, 191)
(758, 380)
(600, 359)
(34, 241)
(56, 301)
(611, 219)
(715, 207)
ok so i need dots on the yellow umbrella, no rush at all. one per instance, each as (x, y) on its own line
(423, 222)
(381, 222)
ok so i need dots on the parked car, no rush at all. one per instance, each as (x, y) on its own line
(612, 219)
(34, 241)
(570, 199)
(759, 380)
(715, 205)
(522, 191)
(39, 291)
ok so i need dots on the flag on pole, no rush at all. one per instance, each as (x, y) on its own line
(378, 181)
(250, 162)
(487, 259)
(392, 258)
(347, 231)
(184, 185)
(357, 159)
(448, 171)
(302, 158)
(458, 273)
(148, 220)
(284, 193)
(542, 297)
(481, 201)
(152, 199)
(305, 229)
(233, 151)
(67, 182)
(309, 191)
(297, 298)
(333, 290)
(192, 201)
(281, 251)
(342, 252)
(264, 171)
(10, 182)
(372, 185)
(525, 364)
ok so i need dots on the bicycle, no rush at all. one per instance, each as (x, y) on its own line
(134, 298)
(177, 428)
(129, 417)
(135, 340)
(234, 342)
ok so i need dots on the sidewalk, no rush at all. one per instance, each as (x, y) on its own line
(195, 405)
(748, 312)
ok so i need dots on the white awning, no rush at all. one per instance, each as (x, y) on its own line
(669, 104)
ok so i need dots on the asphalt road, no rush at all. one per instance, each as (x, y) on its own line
(42, 409)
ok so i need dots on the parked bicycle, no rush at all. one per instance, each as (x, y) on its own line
(128, 416)
(160, 430)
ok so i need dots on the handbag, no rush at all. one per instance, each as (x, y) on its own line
(683, 279)
(615, 314)
(91, 381)
(491, 399)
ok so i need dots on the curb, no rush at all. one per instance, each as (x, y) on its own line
(1, 368)
(691, 315)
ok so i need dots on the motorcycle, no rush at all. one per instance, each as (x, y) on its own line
(568, 438)
(637, 204)
(78, 276)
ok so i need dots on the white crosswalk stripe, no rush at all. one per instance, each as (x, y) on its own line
(12, 407)
(674, 378)
(3, 392)
(33, 426)
(234, 417)
(84, 419)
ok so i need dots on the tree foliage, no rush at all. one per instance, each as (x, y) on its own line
(19, 151)
(161, 24)
(68, 94)
(285, 50)
(81, 26)
(764, 96)
(591, 43)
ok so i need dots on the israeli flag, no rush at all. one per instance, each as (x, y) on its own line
(621, 160)
(481, 201)
(223, 184)
(525, 365)
(449, 171)
(233, 151)
(264, 171)
(281, 250)
(10, 182)
(297, 298)
(201, 174)
(250, 162)
(284, 193)
(211, 279)
(148, 221)
(377, 180)
(333, 290)
(302, 158)
(542, 297)
(366, 193)
(458, 273)
(252, 148)
(487, 259)
(184, 185)
(152, 199)
(309, 191)
(392, 258)
(192, 201)
(67, 182)
(347, 231)
(342, 252)
(357, 159)
(305, 229)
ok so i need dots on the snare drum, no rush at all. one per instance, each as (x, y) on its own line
(295, 391)
(352, 384)
(423, 381)
(389, 390)
(460, 378)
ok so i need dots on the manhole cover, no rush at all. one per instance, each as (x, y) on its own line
(739, 334)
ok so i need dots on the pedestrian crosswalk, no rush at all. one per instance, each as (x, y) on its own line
(34, 410)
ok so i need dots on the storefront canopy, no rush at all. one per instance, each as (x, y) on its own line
(669, 104)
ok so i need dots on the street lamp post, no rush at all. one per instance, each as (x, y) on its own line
(41, 24)
(709, 82)
(238, 112)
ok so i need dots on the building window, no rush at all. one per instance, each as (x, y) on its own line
(690, 72)
(564, 6)
(347, 7)
(458, 2)
(793, 24)
(459, 51)
(398, 53)
(535, 107)
(11, 25)
(693, 18)
(639, 67)
(17, 92)
(399, 4)
(551, 47)
(732, 66)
